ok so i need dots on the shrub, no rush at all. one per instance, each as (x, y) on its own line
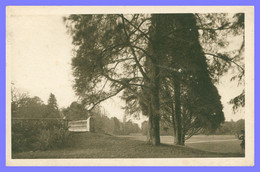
(39, 134)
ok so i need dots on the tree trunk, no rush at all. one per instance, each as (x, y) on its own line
(178, 140)
(152, 64)
(154, 134)
(173, 123)
(183, 134)
(154, 106)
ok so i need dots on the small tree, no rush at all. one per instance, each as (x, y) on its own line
(52, 107)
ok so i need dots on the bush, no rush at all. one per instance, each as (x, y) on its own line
(39, 134)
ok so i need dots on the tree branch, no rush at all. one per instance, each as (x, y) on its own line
(144, 34)
(226, 59)
(125, 84)
(133, 52)
(144, 51)
(212, 29)
(105, 98)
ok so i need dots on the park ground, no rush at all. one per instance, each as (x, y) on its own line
(211, 143)
(94, 145)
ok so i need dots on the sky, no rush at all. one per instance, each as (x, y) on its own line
(40, 56)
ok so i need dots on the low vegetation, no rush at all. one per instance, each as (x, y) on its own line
(35, 134)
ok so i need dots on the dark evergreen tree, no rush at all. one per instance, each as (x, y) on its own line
(52, 108)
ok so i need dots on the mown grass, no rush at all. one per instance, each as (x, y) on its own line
(232, 146)
(93, 145)
(211, 143)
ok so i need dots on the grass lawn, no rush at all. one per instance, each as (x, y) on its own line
(216, 143)
(211, 143)
(93, 145)
(228, 147)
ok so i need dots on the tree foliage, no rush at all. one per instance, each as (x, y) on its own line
(217, 30)
(75, 111)
(109, 57)
(24, 106)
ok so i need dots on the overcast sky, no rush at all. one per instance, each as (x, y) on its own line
(41, 53)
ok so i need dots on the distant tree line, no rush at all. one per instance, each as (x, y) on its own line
(113, 126)
(25, 106)
(226, 128)
(231, 127)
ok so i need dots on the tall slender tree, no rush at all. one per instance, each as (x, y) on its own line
(185, 72)
(52, 107)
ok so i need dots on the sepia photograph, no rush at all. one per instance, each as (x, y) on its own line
(136, 86)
